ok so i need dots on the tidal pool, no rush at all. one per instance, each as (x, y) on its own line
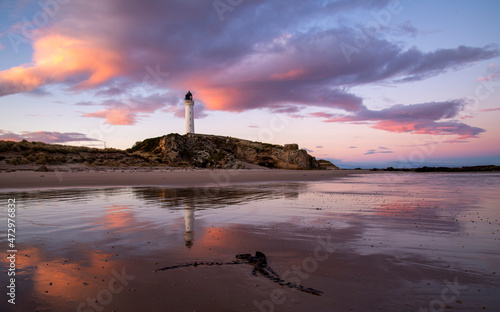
(373, 242)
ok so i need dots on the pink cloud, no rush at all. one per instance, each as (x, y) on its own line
(130, 109)
(324, 115)
(493, 73)
(424, 118)
(59, 58)
(396, 126)
(116, 116)
(490, 109)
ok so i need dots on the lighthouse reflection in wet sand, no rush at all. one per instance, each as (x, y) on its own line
(189, 222)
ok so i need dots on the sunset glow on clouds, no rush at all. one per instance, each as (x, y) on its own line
(417, 118)
(59, 58)
(126, 62)
(120, 113)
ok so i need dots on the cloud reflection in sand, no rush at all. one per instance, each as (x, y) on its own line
(423, 228)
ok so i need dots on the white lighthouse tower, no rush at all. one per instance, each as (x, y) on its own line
(189, 103)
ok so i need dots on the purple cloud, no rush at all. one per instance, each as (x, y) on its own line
(424, 118)
(130, 109)
(281, 62)
(45, 136)
(127, 112)
(378, 151)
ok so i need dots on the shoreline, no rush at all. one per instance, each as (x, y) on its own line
(162, 177)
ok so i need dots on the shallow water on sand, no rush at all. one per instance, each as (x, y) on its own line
(374, 242)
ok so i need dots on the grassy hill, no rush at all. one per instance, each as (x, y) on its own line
(28, 154)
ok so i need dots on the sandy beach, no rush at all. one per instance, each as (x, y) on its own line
(363, 242)
(160, 177)
(367, 242)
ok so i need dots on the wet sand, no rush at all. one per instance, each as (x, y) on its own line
(378, 242)
(161, 177)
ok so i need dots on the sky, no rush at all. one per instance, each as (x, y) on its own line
(372, 83)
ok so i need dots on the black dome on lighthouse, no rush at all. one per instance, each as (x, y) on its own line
(189, 96)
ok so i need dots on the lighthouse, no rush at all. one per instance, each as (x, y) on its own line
(189, 103)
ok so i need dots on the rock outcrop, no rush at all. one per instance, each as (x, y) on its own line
(327, 164)
(211, 151)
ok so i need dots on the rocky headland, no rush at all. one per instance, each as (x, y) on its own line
(212, 151)
(172, 150)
